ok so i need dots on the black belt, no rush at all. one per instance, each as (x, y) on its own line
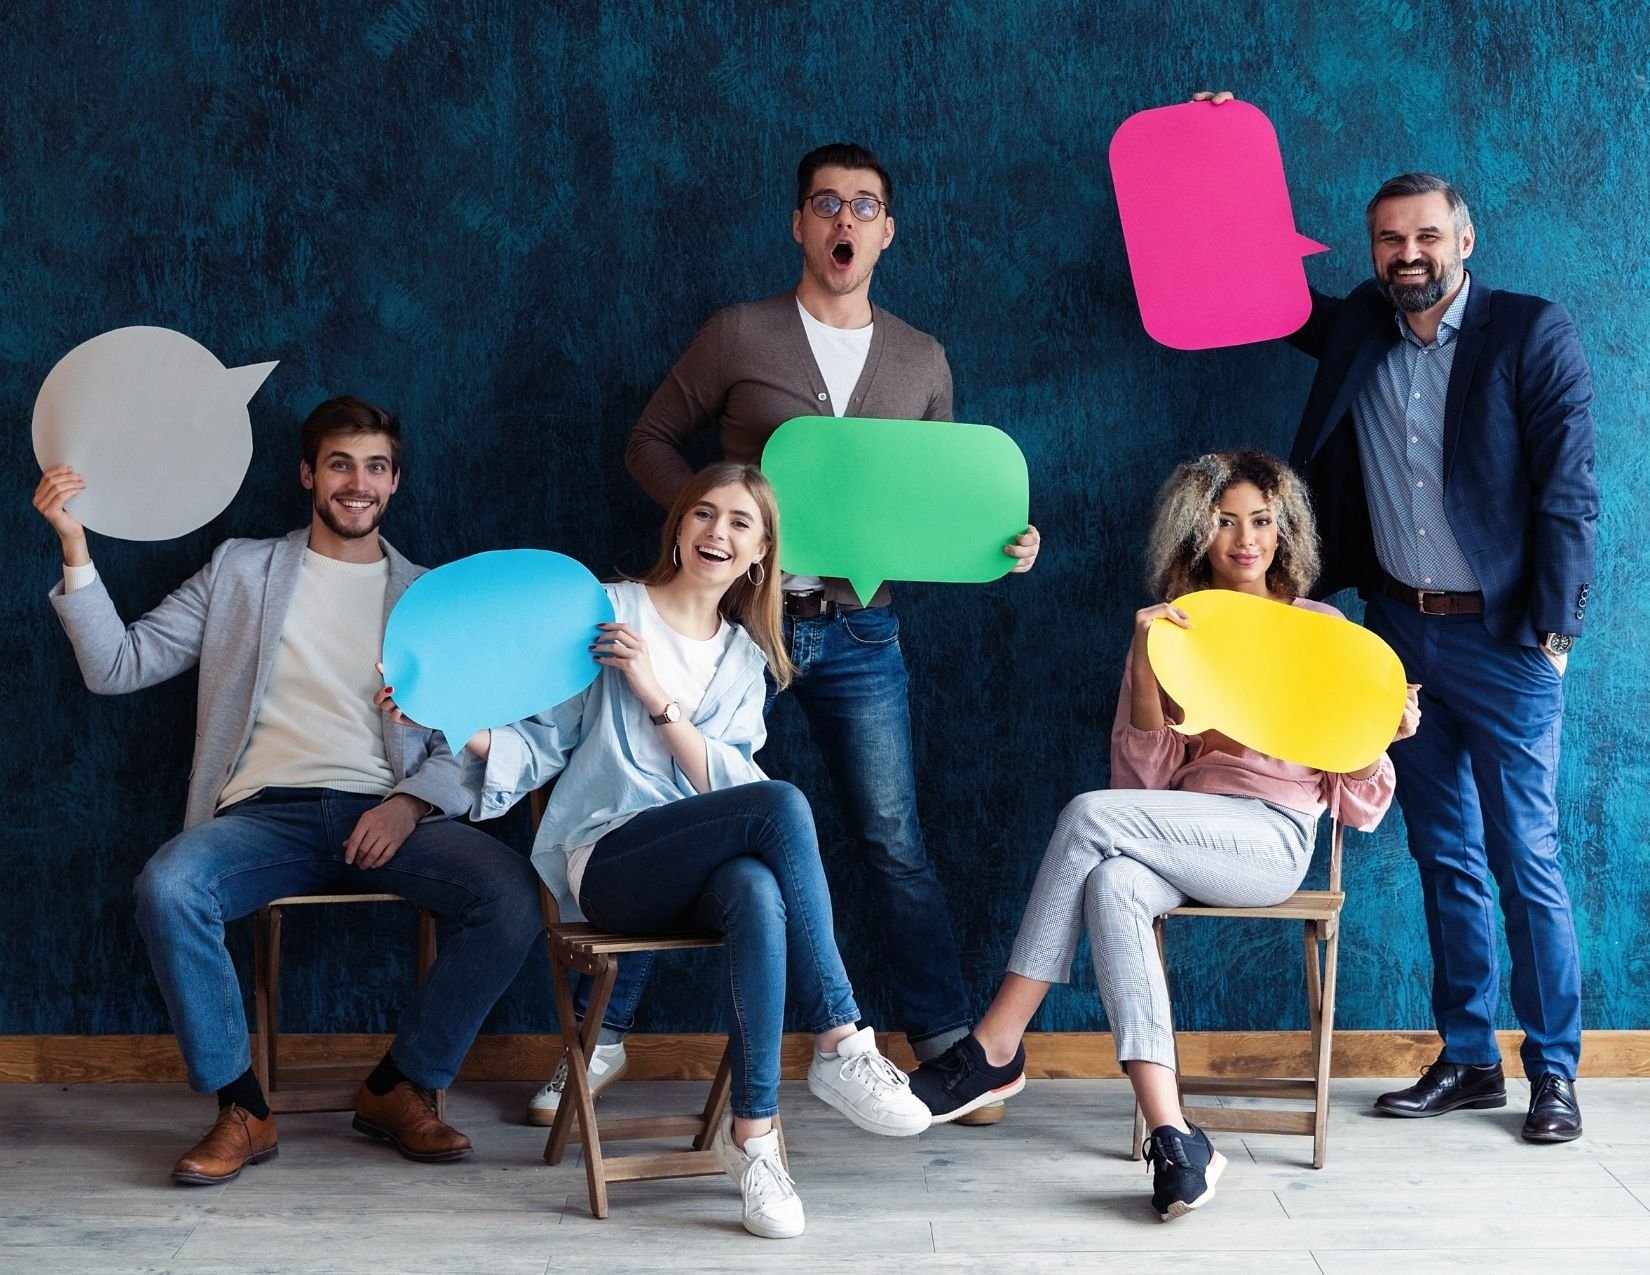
(810, 604)
(1432, 601)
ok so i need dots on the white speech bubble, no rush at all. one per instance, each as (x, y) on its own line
(156, 426)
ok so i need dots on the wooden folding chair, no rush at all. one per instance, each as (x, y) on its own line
(1319, 912)
(578, 947)
(274, 1075)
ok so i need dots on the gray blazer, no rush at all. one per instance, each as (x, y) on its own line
(227, 618)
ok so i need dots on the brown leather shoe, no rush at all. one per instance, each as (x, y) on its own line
(405, 1118)
(236, 1139)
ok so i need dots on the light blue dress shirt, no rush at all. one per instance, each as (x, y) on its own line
(1399, 416)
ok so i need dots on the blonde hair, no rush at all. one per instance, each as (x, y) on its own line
(755, 607)
(1177, 552)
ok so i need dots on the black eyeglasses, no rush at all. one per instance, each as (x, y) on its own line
(864, 207)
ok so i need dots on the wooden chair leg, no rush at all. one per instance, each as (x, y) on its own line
(561, 1129)
(260, 998)
(577, 1103)
(272, 1013)
(716, 1105)
(1325, 1044)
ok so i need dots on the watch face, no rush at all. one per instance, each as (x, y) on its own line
(1558, 643)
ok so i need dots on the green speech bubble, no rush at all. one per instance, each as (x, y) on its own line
(874, 500)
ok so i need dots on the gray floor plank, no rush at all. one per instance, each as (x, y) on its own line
(84, 1186)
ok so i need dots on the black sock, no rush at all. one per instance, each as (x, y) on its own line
(385, 1077)
(245, 1091)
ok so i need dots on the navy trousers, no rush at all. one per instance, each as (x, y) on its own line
(1477, 784)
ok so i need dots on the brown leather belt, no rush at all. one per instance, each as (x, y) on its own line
(1432, 601)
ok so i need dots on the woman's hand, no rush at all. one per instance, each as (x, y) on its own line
(386, 705)
(1410, 722)
(1147, 616)
(1145, 699)
(620, 647)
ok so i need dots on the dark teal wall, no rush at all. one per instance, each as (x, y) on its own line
(505, 221)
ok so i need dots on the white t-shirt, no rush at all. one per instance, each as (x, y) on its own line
(684, 667)
(317, 726)
(841, 355)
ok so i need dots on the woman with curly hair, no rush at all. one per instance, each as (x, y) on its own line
(1187, 817)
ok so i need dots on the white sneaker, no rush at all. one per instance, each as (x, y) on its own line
(773, 1210)
(867, 1088)
(607, 1064)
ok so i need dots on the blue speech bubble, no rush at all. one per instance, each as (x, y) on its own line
(493, 638)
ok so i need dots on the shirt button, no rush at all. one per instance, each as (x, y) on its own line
(1428, 580)
(1413, 439)
(1420, 531)
(1417, 394)
(1419, 483)
(822, 396)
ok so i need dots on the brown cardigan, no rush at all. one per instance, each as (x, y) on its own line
(750, 370)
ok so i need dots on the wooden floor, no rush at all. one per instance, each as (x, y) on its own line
(84, 1188)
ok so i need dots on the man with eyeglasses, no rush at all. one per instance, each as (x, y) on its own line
(825, 349)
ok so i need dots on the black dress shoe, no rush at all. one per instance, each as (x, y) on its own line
(1446, 1086)
(1554, 1115)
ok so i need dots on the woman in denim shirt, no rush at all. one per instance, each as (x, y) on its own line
(662, 820)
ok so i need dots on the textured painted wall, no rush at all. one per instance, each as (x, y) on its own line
(505, 221)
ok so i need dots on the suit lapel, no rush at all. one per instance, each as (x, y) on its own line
(1469, 345)
(1371, 350)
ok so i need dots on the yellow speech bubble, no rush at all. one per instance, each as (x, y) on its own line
(1292, 683)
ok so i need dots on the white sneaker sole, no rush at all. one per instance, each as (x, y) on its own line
(1211, 1175)
(547, 1115)
(985, 1100)
(765, 1230)
(909, 1127)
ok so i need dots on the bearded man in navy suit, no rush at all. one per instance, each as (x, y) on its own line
(1448, 440)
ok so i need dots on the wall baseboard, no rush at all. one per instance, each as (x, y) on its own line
(1049, 1055)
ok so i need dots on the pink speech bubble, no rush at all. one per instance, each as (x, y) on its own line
(1210, 233)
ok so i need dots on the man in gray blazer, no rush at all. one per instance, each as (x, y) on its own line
(301, 786)
(822, 349)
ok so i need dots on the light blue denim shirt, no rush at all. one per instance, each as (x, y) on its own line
(588, 742)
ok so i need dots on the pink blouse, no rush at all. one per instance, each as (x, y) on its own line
(1211, 763)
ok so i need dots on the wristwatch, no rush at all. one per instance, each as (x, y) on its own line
(672, 713)
(1557, 643)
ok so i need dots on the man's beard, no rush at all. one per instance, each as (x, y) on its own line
(327, 515)
(1413, 298)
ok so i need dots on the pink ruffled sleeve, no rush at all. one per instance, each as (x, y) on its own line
(1362, 802)
(1142, 758)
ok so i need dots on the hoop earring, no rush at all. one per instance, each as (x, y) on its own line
(756, 566)
(675, 555)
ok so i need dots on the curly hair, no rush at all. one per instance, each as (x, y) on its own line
(1177, 560)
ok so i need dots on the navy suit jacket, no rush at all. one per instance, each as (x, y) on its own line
(1519, 490)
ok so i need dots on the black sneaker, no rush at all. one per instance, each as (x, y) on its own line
(1185, 1168)
(960, 1080)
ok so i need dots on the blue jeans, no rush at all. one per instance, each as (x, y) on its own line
(851, 684)
(1478, 784)
(290, 841)
(741, 862)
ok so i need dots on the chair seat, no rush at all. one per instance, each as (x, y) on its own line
(1303, 905)
(588, 940)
